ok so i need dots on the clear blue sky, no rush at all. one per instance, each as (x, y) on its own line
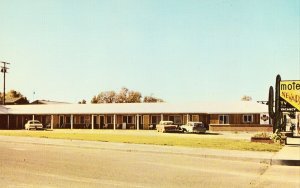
(181, 51)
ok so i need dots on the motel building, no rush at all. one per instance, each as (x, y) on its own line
(235, 116)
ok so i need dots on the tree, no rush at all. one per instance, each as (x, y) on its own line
(123, 96)
(110, 97)
(127, 96)
(246, 98)
(151, 99)
(94, 100)
(82, 102)
(12, 94)
(105, 97)
(134, 97)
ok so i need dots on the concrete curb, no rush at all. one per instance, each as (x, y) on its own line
(289, 155)
(285, 162)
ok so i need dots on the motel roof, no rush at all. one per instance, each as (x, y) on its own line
(3, 110)
(137, 108)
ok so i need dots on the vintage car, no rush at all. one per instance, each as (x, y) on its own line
(167, 126)
(33, 124)
(193, 127)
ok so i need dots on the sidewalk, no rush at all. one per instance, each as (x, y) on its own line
(288, 155)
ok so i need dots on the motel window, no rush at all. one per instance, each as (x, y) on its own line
(176, 119)
(68, 120)
(87, 119)
(109, 119)
(128, 119)
(155, 119)
(82, 119)
(223, 119)
(247, 118)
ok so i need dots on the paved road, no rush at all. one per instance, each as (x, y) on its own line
(24, 164)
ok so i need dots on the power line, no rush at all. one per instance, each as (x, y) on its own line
(4, 71)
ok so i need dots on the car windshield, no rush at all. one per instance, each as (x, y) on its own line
(166, 122)
(198, 124)
(35, 121)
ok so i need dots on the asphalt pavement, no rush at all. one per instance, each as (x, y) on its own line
(288, 155)
(41, 162)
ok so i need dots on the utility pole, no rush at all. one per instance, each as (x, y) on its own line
(4, 71)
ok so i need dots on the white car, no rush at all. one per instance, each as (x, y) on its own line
(33, 124)
(193, 127)
(167, 126)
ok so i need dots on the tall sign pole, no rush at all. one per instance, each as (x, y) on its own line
(4, 71)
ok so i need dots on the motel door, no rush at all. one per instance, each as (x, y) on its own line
(101, 122)
(61, 121)
(95, 121)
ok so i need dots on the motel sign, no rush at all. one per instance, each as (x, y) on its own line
(290, 92)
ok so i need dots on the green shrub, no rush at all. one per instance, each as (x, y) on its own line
(277, 136)
(262, 135)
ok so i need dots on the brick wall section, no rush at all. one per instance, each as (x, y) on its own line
(241, 127)
(3, 121)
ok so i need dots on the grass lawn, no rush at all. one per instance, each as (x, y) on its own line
(150, 137)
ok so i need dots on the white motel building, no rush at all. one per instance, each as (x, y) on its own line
(234, 116)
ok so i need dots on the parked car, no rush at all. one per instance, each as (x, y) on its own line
(193, 127)
(167, 126)
(33, 124)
